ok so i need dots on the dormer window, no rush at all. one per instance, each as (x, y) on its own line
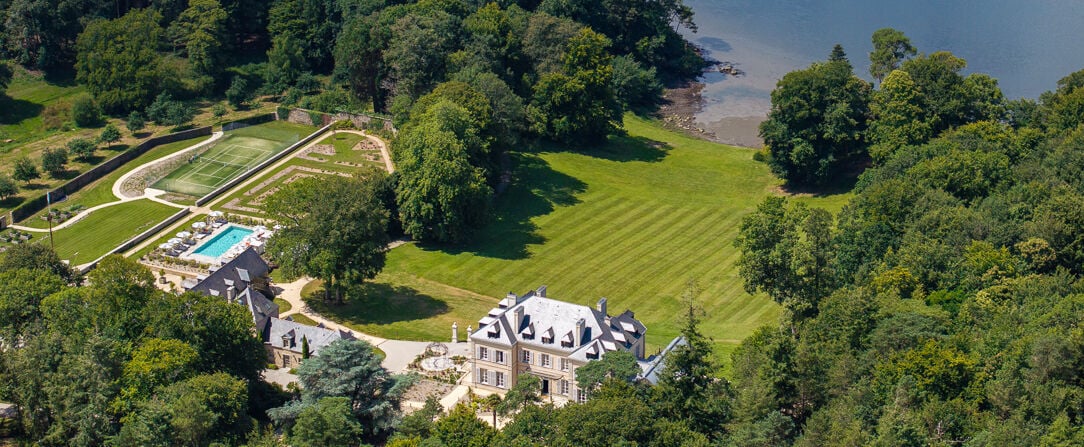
(494, 331)
(547, 337)
(528, 332)
(566, 341)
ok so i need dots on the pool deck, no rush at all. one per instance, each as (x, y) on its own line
(213, 260)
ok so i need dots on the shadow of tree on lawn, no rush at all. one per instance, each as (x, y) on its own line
(536, 190)
(377, 303)
(626, 148)
(13, 111)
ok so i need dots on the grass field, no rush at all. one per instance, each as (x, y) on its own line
(105, 229)
(101, 190)
(235, 153)
(633, 221)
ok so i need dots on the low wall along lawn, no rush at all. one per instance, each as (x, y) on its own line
(33, 206)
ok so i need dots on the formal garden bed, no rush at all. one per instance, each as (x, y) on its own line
(341, 153)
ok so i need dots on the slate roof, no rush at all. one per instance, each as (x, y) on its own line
(318, 336)
(238, 273)
(552, 324)
(651, 367)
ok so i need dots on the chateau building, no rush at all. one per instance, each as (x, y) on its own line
(533, 334)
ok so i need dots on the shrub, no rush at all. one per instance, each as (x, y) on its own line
(291, 97)
(168, 111)
(331, 101)
(81, 148)
(53, 161)
(25, 171)
(8, 187)
(218, 110)
(55, 115)
(110, 134)
(86, 112)
(307, 83)
(238, 94)
(135, 121)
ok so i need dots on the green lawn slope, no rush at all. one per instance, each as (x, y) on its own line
(106, 228)
(634, 221)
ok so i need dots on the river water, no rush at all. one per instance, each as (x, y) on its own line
(1026, 44)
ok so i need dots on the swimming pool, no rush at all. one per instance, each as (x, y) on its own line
(222, 243)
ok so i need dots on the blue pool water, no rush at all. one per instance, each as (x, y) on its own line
(222, 242)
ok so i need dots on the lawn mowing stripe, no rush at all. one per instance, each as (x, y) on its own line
(553, 247)
(637, 252)
(532, 270)
(644, 257)
(626, 245)
(583, 261)
(634, 235)
(672, 269)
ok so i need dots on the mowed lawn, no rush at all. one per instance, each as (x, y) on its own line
(635, 221)
(105, 229)
(101, 190)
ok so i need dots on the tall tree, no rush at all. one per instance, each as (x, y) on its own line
(577, 105)
(329, 423)
(36, 257)
(786, 253)
(817, 121)
(898, 116)
(416, 57)
(890, 48)
(335, 230)
(285, 63)
(219, 330)
(617, 365)
(442, 197)
(349, 369)
(688, 390)
(200, 33)
(118, 60)
(461, 428)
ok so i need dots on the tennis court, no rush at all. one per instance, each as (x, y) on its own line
(237, 152)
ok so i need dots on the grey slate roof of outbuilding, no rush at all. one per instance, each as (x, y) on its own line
(650, 368)
(543, 316)
(240, 270)
(319, 337)
(238, 275)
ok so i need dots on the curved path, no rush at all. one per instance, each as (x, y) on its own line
(399, 352)
(119, 193)
(379, 142)
(118, 186)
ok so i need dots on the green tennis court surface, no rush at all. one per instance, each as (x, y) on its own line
(237, 152)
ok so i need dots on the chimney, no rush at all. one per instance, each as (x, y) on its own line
(601, 306)
(541, 291)
(230, 294)
(519, 318)
(578, 336)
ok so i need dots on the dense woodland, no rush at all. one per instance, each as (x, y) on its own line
(941, 306)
